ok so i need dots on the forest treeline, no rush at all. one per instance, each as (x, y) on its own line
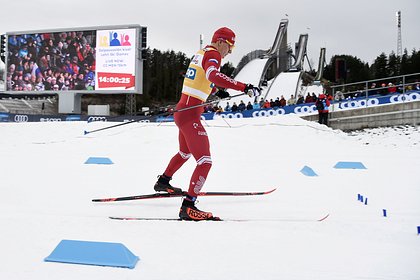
(164, 72)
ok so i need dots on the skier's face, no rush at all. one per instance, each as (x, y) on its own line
(225, 48)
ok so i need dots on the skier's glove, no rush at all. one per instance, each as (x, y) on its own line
(252, 91)
(222, 94)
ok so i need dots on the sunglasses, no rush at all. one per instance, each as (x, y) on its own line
(231, 45)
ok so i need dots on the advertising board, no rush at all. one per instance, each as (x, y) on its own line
(82, 60)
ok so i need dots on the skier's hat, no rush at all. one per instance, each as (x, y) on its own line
(224, 34)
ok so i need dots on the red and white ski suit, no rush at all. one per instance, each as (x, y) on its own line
(200, 80)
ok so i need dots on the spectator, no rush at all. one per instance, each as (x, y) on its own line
(291, 101)
(227, 107)
(282, 101)
(300, 99)
(272, 104)
(261, 103)
(32, 49)
(308, 98)
(372, 90)
(47, 83)
(234, 107)
(39, 85)
(329, 97)
(322, 105)
(277, 103)
(256, 105)
(417, 86)
(383, 90)
(75, 65)
(79, 83)
(249, 106)
(314, 98)
(266, 104)
(392, 88)
(241, 106)
(339, 96)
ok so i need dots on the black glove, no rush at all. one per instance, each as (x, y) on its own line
(222, 94)
(252, 91)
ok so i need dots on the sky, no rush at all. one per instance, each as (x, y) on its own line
(361, 28)
(46, 191)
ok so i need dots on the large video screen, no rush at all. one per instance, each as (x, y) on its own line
(82, 60)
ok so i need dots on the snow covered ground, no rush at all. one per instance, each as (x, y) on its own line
(46, 191)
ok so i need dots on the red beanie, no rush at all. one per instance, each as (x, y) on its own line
(224, 33)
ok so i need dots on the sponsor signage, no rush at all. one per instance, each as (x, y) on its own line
(310, 108)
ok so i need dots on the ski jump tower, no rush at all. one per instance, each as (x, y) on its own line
(268, 63)
(277, 70)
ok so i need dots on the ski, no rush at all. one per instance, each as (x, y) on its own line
(184, 193)
(217, 219)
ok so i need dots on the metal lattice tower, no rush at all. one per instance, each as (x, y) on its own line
(399, 41)
(130, 104)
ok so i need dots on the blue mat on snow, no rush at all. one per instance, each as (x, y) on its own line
(98, 160)
(306, 170)
(93, 253)
(349, 165)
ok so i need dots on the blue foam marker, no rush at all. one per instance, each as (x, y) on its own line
(306, 170)
(349, 165)
(418, 230)
(98, 160)
(366, 200)
(384, 212)
(93, 253)
(359, 196)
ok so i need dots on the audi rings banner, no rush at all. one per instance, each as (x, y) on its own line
(20, 118)
(87, 60)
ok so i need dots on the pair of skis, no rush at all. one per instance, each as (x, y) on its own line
(184, 193)
(219, 219)
(168, 195)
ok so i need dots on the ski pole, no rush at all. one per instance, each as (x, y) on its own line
(165, 114)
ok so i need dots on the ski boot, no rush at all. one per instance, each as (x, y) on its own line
(162, 185)
(189, 212)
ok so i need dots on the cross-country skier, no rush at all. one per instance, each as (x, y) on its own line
(200, 81)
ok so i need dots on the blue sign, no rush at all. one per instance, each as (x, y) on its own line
(310, 108)
(191, 72)
(4, 117)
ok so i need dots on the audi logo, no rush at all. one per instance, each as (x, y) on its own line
(97, 119)
(21, 118)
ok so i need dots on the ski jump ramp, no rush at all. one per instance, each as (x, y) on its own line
(250, 74)
(286, 84)
(252, 71)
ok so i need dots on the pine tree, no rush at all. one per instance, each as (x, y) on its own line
(380, 67)
(394, 63)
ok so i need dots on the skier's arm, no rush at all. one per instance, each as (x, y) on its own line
(211, 64)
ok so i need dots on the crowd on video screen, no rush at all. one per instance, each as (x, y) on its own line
(51, 61)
